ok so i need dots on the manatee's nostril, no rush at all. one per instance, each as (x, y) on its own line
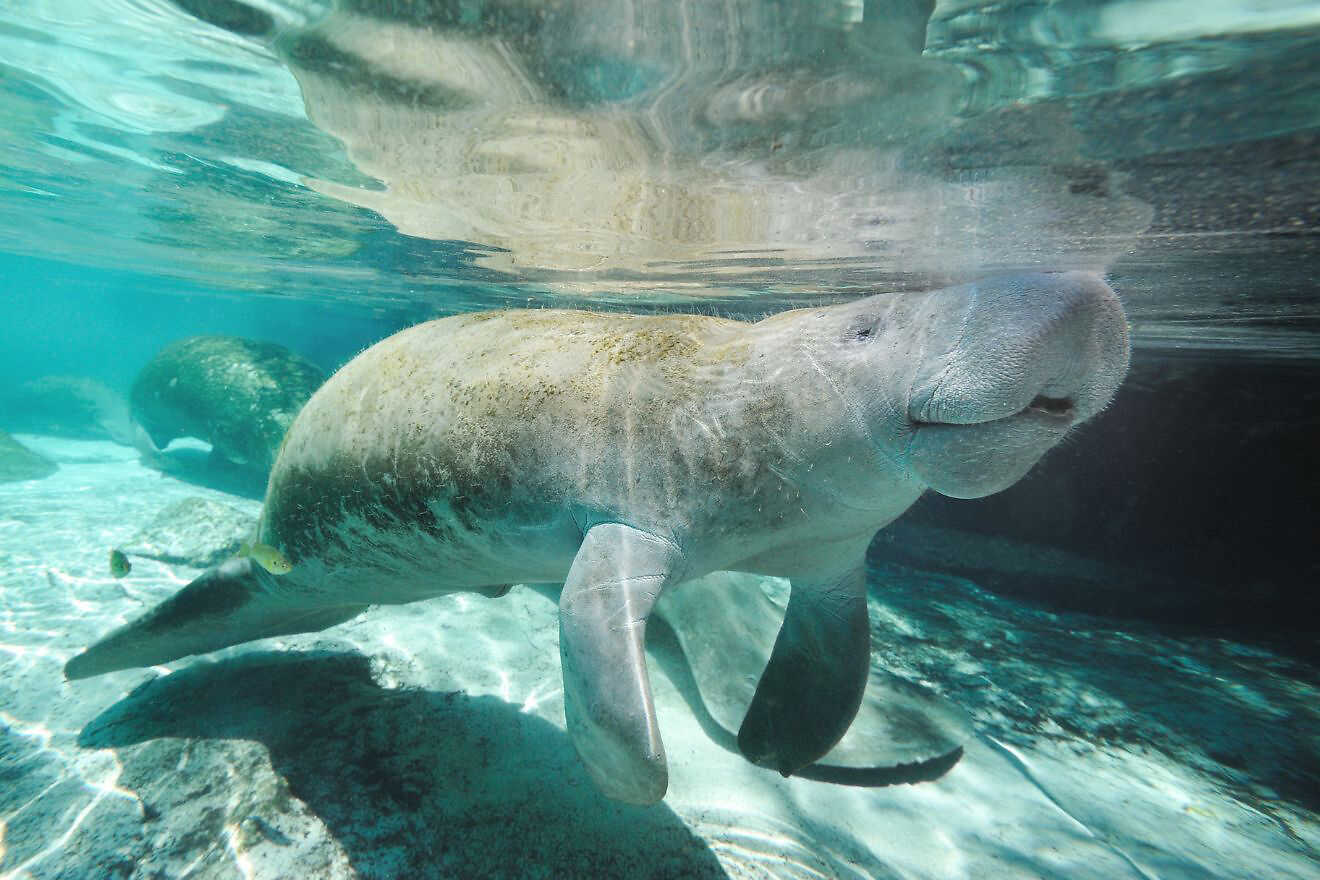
(1059, 406)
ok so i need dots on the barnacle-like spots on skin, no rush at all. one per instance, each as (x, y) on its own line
(632, 345)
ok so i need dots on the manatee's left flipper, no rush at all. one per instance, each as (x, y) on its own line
(615, 580)
(812, 686)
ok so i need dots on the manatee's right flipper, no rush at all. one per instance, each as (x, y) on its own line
(614, 582)
(234, 602)
(726, 624)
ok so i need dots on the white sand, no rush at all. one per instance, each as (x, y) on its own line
(427, 740)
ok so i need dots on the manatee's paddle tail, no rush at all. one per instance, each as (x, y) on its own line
(614, 582)
(812, 686)
(226, 605)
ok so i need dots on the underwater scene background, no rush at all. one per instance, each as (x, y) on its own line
(1106, 669)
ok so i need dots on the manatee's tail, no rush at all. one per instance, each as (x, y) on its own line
(234, 602)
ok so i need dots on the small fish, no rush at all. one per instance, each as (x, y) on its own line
(119, 564)
(267, 557)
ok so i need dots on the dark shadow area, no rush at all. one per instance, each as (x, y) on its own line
(1196, 487)
(201, 468)
(411, 783)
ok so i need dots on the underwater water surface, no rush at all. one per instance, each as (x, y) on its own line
(1107, 669)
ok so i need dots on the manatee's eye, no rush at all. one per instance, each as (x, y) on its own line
(862, 329)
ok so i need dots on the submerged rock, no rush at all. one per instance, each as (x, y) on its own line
(17, 462)
(239, 395)
(195, 531)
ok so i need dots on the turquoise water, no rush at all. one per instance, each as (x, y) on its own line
(1106, 670)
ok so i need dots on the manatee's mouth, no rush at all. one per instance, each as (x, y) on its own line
(1053, 406)
(1042, 406)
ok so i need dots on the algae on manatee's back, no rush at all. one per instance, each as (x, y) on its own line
(17, 462)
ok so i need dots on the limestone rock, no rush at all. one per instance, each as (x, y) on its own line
(195, 531)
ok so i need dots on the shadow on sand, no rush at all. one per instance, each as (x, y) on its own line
(411, 783)
(208, 471)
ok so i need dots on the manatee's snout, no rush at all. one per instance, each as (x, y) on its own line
(1056, 344)
(1020, 361)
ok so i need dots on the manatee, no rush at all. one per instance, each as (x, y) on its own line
(239, 395)
(74, 406)
(627, 455)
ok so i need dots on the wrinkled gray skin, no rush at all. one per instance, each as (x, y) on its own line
(623, 455)
(239, 395)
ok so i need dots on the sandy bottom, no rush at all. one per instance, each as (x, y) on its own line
(428, 741)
